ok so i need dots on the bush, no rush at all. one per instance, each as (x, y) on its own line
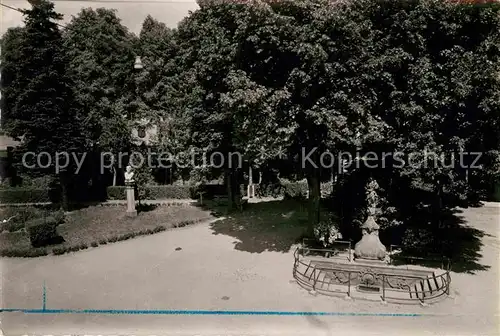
(42, 182)
(20, 215)
(42, 231)
(327, 231)
(26, 195)
(210, 191)
(116, 193)
(169, 191)
(94, 244)
(11, 226)
(152, 192)
(24, 253)
(293, 190)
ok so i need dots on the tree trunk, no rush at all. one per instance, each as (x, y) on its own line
(313, 182)
(64, 191)
(114, 176)
(233, 192)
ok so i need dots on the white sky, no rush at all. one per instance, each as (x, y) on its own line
(131, 12)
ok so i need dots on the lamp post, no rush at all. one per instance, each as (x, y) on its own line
(129, 180)
(138, 63)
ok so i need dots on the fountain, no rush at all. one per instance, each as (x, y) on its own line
(369, 248)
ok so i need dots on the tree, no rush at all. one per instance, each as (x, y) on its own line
(434, 88)
(101, 53)
(40, 99)
(228, 110)
(10, 62)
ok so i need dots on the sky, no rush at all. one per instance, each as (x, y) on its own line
(132, 12)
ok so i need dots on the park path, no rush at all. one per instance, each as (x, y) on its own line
(193, 269)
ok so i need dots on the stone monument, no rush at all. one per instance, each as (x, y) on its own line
(370, 247)
(129, 186)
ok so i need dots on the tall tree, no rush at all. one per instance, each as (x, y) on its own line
(10, 62)
(101, 51)
(43, 110)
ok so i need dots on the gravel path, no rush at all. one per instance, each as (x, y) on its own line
(193, 269)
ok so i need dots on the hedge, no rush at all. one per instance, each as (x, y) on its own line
(27, 195)
(20, 215)
(210, 191)
(153, 192)
(294, 189)
(42, 230)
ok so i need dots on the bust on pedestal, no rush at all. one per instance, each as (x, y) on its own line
(370, 247)
(129, 186)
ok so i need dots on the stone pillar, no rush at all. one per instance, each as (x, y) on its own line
(251, 187)
(131, 211)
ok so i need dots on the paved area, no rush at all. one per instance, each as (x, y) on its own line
(193, 269)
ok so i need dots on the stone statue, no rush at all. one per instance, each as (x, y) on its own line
(370, 247)
(129, 175)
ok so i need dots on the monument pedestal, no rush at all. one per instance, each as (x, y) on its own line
(251, 191)
(129, 190)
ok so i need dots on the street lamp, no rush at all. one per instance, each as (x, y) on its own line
(138, 66)
(138, 63)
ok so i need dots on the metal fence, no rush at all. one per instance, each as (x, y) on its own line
(407, 288)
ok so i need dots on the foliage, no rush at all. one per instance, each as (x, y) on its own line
(327, 231)
(101, 58)
(153, 192)
(17, 216)
(42, 108)
(24, 253)
(25, 195)
(42, 231)
(40, 103)
(11, 60)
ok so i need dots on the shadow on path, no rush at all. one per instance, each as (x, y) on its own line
(456, 241)
(266, 226)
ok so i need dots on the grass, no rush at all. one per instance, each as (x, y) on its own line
(93, 226)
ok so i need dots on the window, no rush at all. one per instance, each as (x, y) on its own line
(141, 132)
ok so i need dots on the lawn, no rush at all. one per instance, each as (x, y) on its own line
(97, 225)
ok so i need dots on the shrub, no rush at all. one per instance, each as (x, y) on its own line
(20, 215)
(59, 250)
(113, 239)
(24, 253)
(159, 229)
(94, 244)
(210, 191)
(153, 192)
(327, 231)
(294, 190)
(116, 193)
(42, 231)
(26, 195)
(11, 226)
(169, 191)
(103, 241)
(42, 182)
